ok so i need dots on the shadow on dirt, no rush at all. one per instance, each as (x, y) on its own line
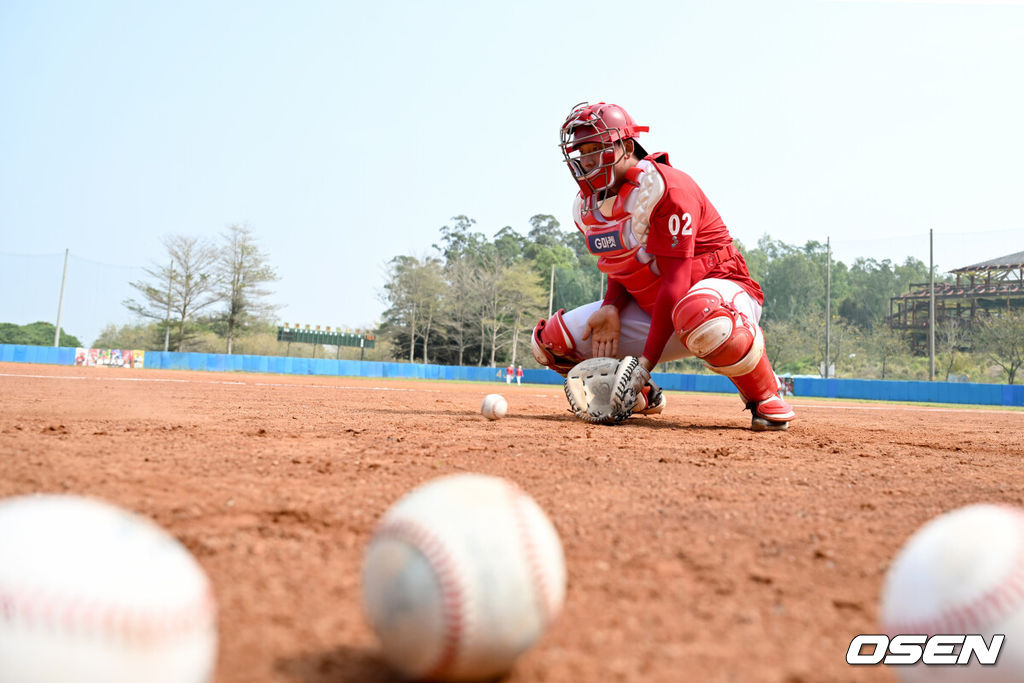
(417, 412)
(567, 417)
(342, 664)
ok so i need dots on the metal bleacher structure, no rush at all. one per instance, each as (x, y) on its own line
(981, 290)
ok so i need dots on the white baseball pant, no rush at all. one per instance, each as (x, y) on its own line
(635, 323)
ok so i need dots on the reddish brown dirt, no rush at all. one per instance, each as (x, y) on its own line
(697, 550)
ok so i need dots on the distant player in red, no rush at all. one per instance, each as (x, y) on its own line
(676, 285)
(510, 372)
(519, 375)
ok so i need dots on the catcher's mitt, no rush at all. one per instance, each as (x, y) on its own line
(604, 390)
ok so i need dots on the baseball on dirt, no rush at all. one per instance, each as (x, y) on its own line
(91, 593)
(961, 573)
(494, 406)
(462, 575)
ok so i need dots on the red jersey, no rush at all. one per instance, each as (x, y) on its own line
(659, 211)
(685, 224)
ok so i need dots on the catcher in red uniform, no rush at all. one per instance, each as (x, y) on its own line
(677, 287)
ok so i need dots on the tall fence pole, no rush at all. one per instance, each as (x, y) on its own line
(551, 291)
(931, 305)
(828, 301)
(60, 302)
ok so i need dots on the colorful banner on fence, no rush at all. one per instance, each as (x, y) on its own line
(114, 358)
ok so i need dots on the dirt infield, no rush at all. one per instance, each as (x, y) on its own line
(696, 549)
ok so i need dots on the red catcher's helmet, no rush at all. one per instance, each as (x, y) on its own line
(602, 123)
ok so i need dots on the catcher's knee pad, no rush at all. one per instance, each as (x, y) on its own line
(553, 344)
(730, 344)
(713, 330)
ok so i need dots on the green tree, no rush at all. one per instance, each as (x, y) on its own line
(478, 304)
(793, 279)
(469, 263)
(756, 259)
(575, 241)
(145, 336)
(508, 246)
(872, 284)
(1001, 339)
(577, 280)
(545, 246)
(913, 271)
(35, 334)
(575, 286)
(458, 240)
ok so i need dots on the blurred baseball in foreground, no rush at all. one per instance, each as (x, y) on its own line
(494, 406)
(961, 573)
(90, 593)
(462, 576)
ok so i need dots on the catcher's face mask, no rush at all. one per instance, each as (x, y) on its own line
(591, 141)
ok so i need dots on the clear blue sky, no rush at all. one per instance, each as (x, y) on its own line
(347, 133)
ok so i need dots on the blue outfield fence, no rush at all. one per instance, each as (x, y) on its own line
(47, 355)
(870, 389)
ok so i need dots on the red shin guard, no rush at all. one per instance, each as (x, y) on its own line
(553, 345)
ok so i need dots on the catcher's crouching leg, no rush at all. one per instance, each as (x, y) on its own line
(553, 345)
(732, 345)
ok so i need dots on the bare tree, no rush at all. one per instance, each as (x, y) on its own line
(510, 294)
(491, 309)
(243, 272)
(1001, 338)
(413, 290)
(180, 290)
(886, 344)
(953, 337)
(137, 336)
(459, 302)
(430, 288)
(842, 337)
(785, 341)
(525, 300)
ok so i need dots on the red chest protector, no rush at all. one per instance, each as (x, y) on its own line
(611, 239)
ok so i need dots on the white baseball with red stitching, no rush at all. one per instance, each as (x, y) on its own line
(494, 407)
(962, 573)
(92, 593)
(463, 575)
